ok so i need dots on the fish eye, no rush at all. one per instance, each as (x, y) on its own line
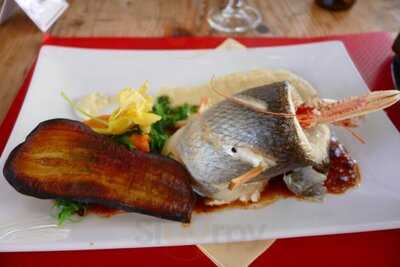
(233, 149)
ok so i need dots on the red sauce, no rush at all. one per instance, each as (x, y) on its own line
(103, 211)
(343, 174)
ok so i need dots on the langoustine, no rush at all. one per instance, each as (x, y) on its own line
(234, 147)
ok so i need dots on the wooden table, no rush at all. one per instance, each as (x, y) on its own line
(20, 39)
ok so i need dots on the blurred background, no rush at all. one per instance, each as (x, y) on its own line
(20, 38)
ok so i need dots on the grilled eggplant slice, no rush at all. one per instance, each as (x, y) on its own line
(65, 159)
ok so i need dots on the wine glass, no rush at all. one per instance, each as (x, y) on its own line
(236, 17)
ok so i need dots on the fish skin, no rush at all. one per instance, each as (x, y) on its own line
(306, 182)
(205, 144)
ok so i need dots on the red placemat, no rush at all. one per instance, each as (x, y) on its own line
(372, 55)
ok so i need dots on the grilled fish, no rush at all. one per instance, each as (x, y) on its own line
(263, 132)
(228, 140)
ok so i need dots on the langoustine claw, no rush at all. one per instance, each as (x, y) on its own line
(325, 111)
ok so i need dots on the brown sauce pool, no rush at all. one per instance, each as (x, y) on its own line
(344, 173)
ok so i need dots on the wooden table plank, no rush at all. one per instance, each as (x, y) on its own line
(20, 40)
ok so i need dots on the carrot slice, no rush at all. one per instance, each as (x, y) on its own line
(141, 142)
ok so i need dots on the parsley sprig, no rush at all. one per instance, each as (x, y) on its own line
(161, 130)
(66, 209)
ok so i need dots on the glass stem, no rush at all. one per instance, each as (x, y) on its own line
(231, 7)
(236, 3)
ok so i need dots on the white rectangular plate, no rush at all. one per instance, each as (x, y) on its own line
(25, 224)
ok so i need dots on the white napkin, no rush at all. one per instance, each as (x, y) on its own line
(42, 12)
(239, 254)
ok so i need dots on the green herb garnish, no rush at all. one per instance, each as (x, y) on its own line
(124, 139)
(66, 209)
(161, 130)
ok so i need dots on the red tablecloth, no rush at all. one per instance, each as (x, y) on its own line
(372, 55)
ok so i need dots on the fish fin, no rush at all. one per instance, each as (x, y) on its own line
(244, 103)
(306, 182)
(234, 183)
(204, 104)
(180, 124)
(202, 107)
